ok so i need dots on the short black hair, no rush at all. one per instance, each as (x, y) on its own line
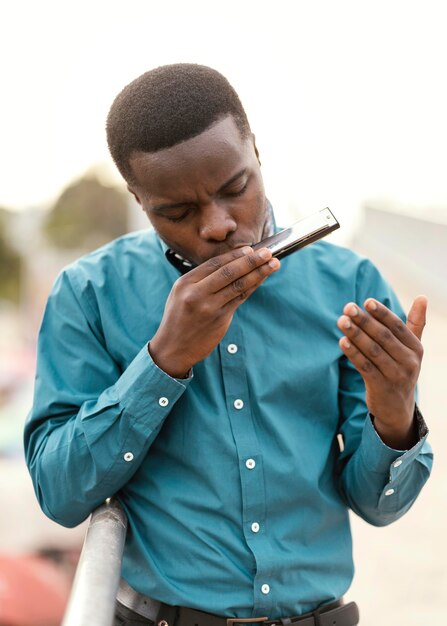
(166, 106)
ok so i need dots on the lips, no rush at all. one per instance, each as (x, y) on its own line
(242, 245)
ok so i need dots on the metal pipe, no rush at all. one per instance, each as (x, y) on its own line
(92, 598)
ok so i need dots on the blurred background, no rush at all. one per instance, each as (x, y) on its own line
(348, 103)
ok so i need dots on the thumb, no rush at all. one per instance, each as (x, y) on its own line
(417, 315)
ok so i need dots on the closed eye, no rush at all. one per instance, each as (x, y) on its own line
(177, 218)
(239, 192)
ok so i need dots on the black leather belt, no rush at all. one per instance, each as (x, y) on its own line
(159, 614)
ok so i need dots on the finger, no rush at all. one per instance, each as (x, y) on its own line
(234, 270)
(380, 333)
(393, 323)
(365, 367)
(241, 288)
(215, 263)
(417, 316)
(366, 343)
(237, 300)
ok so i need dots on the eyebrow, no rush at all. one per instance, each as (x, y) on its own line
(178, 205)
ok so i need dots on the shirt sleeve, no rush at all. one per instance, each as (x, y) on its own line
(91, 424)
(377, 482)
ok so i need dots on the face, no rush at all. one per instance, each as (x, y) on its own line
(204, 196)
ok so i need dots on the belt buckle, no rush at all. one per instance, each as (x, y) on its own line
(245, 620)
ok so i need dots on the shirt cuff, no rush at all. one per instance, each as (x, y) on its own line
(379, 457)
(147, 392)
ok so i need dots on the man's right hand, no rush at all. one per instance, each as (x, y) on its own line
(201, 305)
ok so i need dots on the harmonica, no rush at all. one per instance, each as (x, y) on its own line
(300, 234)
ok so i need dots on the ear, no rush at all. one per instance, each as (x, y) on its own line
(253, 138)
(134, 193)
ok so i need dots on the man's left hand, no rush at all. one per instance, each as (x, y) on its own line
(388, 355)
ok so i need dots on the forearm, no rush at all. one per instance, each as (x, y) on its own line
(79, 456)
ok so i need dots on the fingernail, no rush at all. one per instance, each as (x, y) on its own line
(273, 263)
(246, 250)
(372, 306)
(347, 323)
(346, 343)
(265, 254)
(353, 310)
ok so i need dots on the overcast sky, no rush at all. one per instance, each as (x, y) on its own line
(347, 98)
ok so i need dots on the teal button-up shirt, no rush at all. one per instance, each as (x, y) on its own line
(233, 481)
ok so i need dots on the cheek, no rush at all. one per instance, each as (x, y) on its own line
(250, 212)
(163, 229)
(259, 209)
(258, 197)
(175, 238)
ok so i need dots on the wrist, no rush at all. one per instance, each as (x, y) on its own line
(168, 363)
(400, 434)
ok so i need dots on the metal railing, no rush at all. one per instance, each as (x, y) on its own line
(92, 598)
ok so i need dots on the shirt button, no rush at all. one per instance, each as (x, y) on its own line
(397, 463)
(232, 348)
(265, 589)
(163, 401)
(250, 463)
(128, 456)
(255, 527)
(238, 404)
(389, 492)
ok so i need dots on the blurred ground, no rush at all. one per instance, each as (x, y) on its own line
(33, 591)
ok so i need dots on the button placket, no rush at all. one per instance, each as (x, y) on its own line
(235, 380)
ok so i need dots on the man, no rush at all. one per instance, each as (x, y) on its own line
(205, 386)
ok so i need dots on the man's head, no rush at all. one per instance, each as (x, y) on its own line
(166, 106)
(181, 139)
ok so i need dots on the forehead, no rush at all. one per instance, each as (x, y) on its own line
(213, 156)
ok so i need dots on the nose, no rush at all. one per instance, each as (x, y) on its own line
(216, 223)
